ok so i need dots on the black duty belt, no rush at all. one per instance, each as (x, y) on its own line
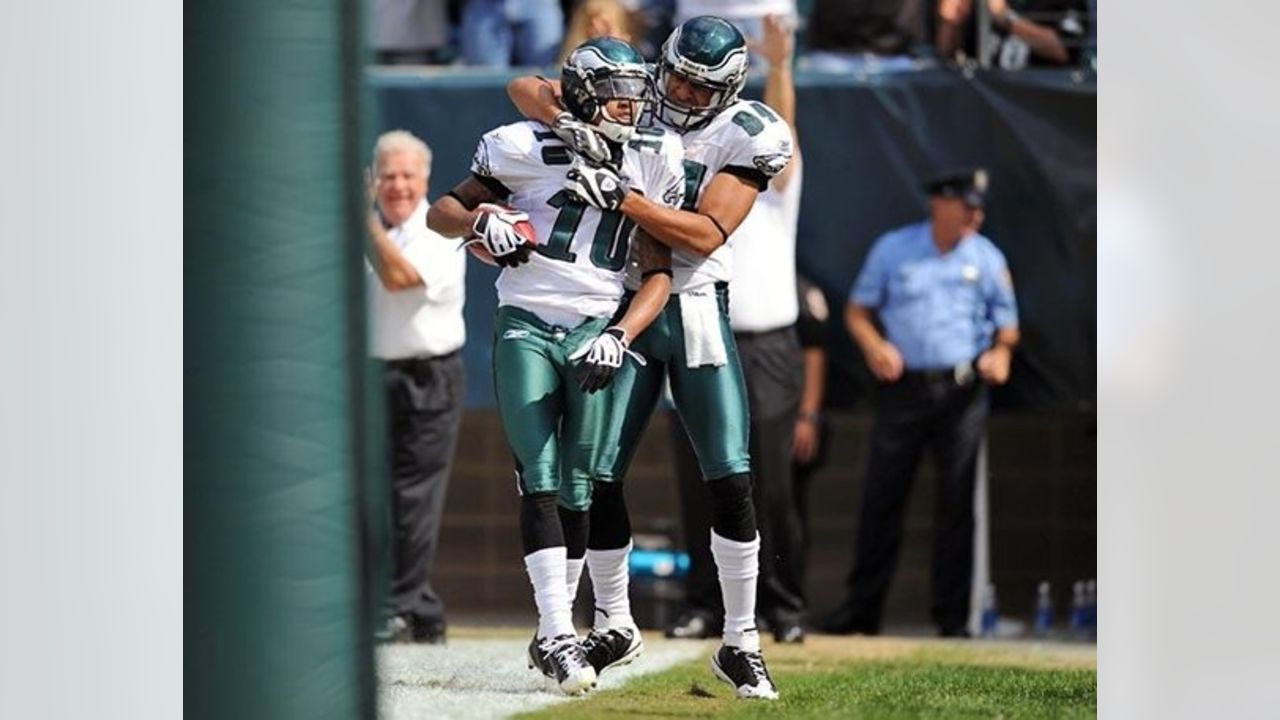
(962, 374)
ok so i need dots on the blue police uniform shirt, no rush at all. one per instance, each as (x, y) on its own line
(939, 310)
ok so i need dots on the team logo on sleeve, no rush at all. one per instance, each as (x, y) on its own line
(480, 163)
(771, 163)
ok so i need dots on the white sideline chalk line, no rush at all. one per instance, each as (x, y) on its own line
(478, 678)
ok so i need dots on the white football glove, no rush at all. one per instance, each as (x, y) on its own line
(495, 228)
(582, 138)
(599, 187)
(602, 357)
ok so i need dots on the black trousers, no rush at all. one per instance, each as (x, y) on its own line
(911, 416)
(424, 407)
(773, 366)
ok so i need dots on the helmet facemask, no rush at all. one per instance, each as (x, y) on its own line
(686, 117)
(635, 90)
(604, 70)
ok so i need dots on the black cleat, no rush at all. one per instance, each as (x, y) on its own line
(561, 658)
(614, 647)
(788, 633)
(745, 671)
(693, 625)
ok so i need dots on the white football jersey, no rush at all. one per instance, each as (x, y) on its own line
(748, 138)
(579, 263)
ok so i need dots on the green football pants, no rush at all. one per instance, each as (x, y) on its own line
(554, 429)
(712, 401)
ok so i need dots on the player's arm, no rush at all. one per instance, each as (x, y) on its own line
(654, 260)
(456, 215)
(723, 207)
(601, 358)
(536, 98)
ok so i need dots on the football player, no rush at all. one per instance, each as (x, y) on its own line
(555, 347)
(732, 148)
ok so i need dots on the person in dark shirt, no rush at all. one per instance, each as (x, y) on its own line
(864, 35)
(1024, 33)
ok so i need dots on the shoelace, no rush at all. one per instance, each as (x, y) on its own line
(755, 663)
(564, 651)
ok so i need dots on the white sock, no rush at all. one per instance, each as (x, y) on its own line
(610, 577)
(547, 573)
(573, 574)
(738, 564)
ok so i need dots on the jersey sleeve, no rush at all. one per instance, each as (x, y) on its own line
(767, 148)
(505, 160)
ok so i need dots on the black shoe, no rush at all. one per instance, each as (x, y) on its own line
(561, 658)
(790, 633)
(954, 632)
(844, 620)
(614, 647)
(404, 629)
(693, 625)
(745, 671)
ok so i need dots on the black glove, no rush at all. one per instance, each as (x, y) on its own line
(598, 186)
(601, 359)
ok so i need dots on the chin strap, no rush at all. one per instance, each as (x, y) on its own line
(615, 131)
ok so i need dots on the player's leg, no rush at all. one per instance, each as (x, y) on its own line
(712, 402)
(531, 404)
(615, 640)
(580, 431)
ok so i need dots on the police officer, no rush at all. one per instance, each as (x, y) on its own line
(944, 297)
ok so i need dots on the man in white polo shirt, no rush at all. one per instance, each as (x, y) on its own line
(416, 290)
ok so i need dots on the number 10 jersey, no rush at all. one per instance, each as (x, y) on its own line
(578, 265)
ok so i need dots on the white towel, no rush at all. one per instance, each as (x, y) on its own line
(703, 338)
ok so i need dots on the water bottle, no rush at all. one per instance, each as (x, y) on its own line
(1043, 623)
(990, 611)
(1077, 608)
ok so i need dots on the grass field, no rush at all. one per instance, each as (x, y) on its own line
(871, 678)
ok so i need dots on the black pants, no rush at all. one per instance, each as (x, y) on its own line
(773, 366)
(911, 416)
(424, 406)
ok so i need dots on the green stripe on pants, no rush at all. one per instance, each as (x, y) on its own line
(553, 428)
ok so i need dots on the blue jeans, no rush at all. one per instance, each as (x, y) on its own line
(500, 33)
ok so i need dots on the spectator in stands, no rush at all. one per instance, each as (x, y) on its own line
(593, 19)
(410, 32)
(502, 33)
(944, 297)
(416, 292)
(864, 36)
(809, 448)
(762, 314)
(1038, 33)
(747, 15)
